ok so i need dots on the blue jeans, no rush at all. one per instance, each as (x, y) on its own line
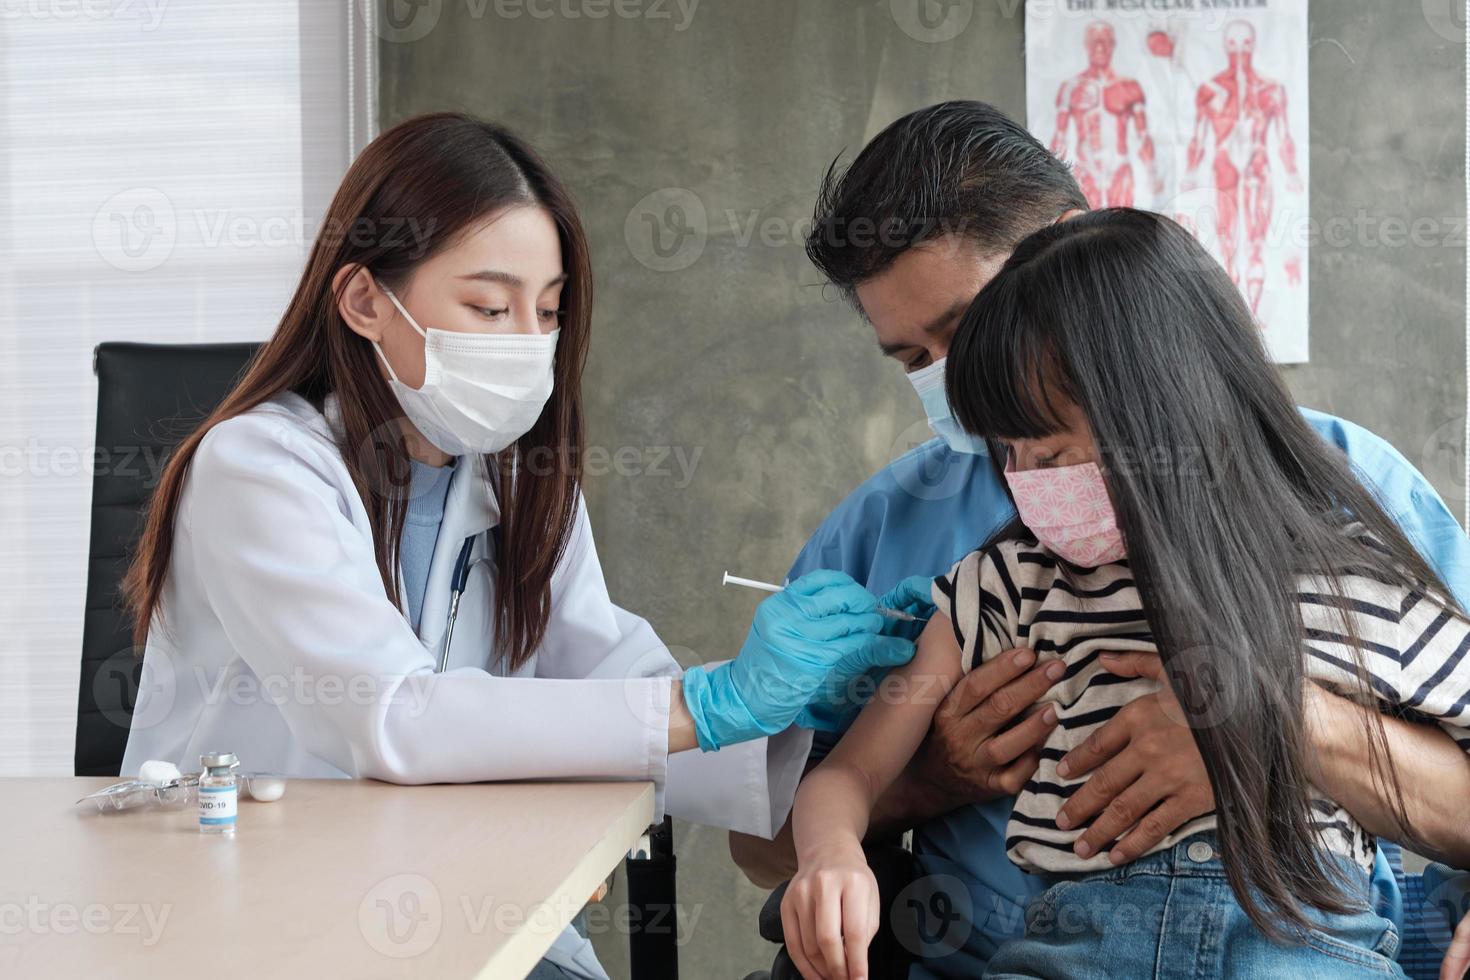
(580, 963)
(1172, 916)
(547, 971)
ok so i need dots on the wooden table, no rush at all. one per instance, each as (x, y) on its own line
(338, 878)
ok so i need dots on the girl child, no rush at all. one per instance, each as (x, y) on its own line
(1170, 499)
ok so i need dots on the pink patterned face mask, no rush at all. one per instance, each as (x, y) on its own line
(1068, 509)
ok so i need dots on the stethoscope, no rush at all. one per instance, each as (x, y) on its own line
(463, 565)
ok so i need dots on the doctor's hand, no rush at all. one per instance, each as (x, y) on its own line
(821, 630)
(835, 707)
(912, 596)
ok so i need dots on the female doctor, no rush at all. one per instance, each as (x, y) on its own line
(403, 454)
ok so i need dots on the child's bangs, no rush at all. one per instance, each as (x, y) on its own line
(1017, 388)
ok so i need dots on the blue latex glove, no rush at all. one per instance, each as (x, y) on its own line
(822, 625)
(837, 703)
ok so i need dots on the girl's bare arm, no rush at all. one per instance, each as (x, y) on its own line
(835, 800)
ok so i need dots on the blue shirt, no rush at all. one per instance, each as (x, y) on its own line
(928, 509)
(428, 488)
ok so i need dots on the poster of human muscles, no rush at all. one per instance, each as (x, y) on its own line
(1196, 109)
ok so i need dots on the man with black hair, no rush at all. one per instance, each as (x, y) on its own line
(924, 217)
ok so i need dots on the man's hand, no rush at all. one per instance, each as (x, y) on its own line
(977, 750)
(1150, 779)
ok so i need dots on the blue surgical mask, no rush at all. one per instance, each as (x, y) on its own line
(929, 384)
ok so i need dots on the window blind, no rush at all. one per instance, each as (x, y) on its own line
(162, 168)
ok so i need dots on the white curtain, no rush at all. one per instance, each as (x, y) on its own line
(163, 166)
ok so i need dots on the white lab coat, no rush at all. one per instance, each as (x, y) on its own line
(279, 644)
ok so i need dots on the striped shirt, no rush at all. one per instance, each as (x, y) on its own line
(1015, 593)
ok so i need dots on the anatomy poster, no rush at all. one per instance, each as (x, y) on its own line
(1196, 109)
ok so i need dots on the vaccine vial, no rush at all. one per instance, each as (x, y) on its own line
(218, 793)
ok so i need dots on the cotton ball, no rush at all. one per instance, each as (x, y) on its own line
(158, 772)
(267, 789)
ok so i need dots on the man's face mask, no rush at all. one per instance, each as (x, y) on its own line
(929, 384)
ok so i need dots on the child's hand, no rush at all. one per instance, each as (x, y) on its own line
(830, 914)
(1456, 961)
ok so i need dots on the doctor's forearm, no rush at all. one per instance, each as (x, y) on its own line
(682, 735)
(1433, 772)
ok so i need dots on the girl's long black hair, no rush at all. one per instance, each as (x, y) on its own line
(1224, 494)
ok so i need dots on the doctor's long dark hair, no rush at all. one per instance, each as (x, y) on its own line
(410, 194)
(1224, 495)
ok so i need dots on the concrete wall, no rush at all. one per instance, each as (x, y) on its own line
(719, 351)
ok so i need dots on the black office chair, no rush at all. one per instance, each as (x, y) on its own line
(149, 397)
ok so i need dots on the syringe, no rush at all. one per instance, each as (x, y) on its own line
(751, 583)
